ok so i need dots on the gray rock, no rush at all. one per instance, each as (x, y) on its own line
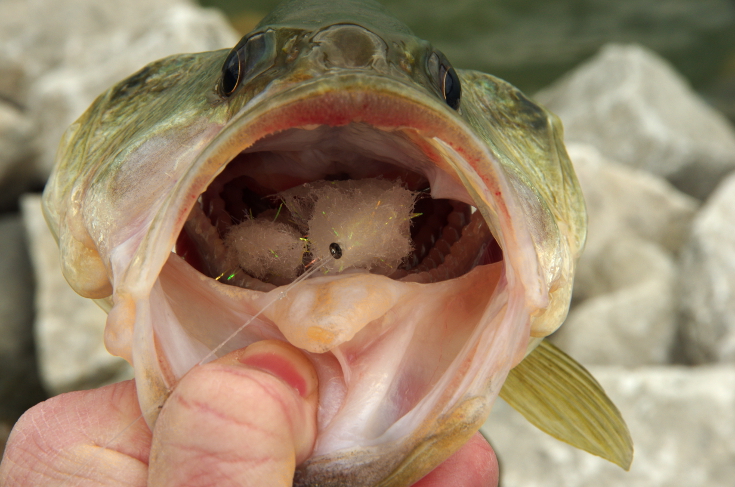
(707, 280)
(69, 328)
(635, 322)
(623, 200)
(94, 44)
(40, 36)
(16, 134)
(682, 421)
(63, 94)
(636, 109)
(624, 307)
(11, 78)
(20, 387)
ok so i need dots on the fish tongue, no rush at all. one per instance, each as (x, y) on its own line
(322, 313)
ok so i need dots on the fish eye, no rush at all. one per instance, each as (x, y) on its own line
(250, 57)
(450, 86)
(445, 78)
(335, 250)
(230, 73)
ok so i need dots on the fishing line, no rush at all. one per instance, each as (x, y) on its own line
(281, 294)
(212, 353)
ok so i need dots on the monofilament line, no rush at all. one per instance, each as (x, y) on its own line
(281, 294)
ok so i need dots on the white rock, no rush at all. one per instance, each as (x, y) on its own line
(682, 421)
(635, 322)
(624, 310)
(69, 328)
(625, 200)
(94, 44)
(41, 35)
(636, 109)
(63, 94)
(707, 280)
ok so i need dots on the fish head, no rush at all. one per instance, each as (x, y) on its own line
(411, 357)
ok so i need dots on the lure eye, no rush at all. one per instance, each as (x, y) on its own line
(335, 250)
(445, 78)
(230, 73)
(451, 89)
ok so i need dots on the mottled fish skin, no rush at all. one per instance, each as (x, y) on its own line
(131, 168)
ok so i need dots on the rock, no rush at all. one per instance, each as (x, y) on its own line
(62, 95)
(69, 328)
(635, 322)
(623, 200)
(95, 44)
(636, 109)
(20, 387)
(40, 36)
(16, 134)
(682, 421)
(707, 280)
(11, 78)
(624, 303)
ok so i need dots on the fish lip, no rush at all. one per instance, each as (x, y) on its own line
(381, 102)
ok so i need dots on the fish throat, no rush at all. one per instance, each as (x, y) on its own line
(352, 191)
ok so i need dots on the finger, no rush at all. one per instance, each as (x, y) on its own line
(83, 438)
(473, 465)
(246, 419)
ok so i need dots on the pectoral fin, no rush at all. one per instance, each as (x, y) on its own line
(557, 395)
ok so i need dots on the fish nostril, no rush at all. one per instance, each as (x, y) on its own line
(349, 46)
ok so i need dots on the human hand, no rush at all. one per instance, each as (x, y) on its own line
(246, 419)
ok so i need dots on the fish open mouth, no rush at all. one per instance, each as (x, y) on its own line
(409, 352)
(447, 237)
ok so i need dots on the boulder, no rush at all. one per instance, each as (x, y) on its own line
(631, 104)
(622, 201)
(69, 328)
(634, 322)
(69, 52)
(682, 420)
(624, 306)
(20, 387)
(707, 280)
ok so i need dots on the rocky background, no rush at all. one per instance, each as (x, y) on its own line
(653, 313)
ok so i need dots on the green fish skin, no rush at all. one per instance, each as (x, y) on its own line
(409, 365)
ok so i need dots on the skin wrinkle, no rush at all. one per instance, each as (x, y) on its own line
(247, 375)
(72, 456)
(232, 450)
(267, 387)
(203, 407)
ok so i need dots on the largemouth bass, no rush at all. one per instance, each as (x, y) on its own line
(411, 349)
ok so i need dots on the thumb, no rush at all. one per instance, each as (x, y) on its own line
(246, 419)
